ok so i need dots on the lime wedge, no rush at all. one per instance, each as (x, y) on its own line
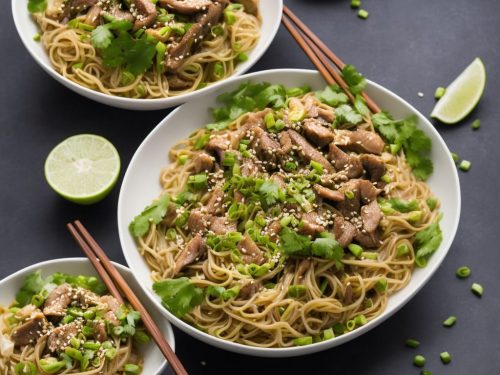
(83, 168)
(462, 95)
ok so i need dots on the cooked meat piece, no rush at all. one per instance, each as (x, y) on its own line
(85, 297)
(249, 168)
(326, 114)
(278, 179)
(308, 152)
(257, 118)
(265, 146)
(274, 230)
(310, 106)
(59, 338)
(361, 141)
(146, 13)
(350, 206)
(73, 7)
(367, 191)
(220, 225)
(54, 8)
(99, 328)
(177, 83)
(310, 225)
(250, 252)
(374, 166)
(26, 312)
(203, 162)
(329, 194)
(368, 240)
(302, 268)
(195, 34)
(93, 16)
(120, 14)
(348, 294)
(108, 305)
(343, 162)
(196, 222)
(371, 216)
(30, 331)
(251, 6)
(58, 300)
(214, 204)
(218, 144)
(344, 231)
(185, 6)
(194, 250)
(285, 142)
(170, 215)
(317, 133)
(249, 289)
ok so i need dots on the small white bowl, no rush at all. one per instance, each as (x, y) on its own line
(141, 185)
(154, 362)
(270, 12)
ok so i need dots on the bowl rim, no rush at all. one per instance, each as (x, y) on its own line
(158, 103)
(319, 346)
(81, 260)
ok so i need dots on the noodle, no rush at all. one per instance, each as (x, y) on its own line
(270, 317)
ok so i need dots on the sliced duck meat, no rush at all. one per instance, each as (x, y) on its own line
(26, 312)
(54, 8)
(145, 13)
(345, 163)
(278, 179)
(344, 231)
(249, 289)
(30, 331)
(251, 6)
(58, 300)
(214, 203)
(285, 142)
(310, 106)
(274, 230)
(249, 168)
(368, 192)
(317, 133)
(374, 166)
(185, 6)
(177, 83)
(328, 194)
(311, 224)
(371, 216)
(257, 118)
(265, 146)
(195, 34)
(220, 225)
(368, 240)
(93, 16)
(326, 114)
(250, 252)
(193, 251)
(108, 305)
(85, 297)
(73, 7)
(308, 152)
(351, 205)
(196, 222)
(360, 141)
(120, 14)
(170, 215)
(218, 144)
(60, 337)
(99, 329)
(203, 162)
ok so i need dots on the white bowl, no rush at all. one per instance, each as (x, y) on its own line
(154, 362)
(270, 11)
(141, 185)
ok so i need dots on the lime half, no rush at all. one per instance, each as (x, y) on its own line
(462, 95)
(83, 168)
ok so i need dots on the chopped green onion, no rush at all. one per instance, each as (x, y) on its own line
(477, 289)
(241, 57)
(296, 291)
(328, 334)
(476, 124)
(89, 314)
(419, 361)
(301, 341)
(75, 342)
(229, 17)
(425, 372)
(415, 216)
(465, 165)
(290, 166)
(87, 331)
(228, 159)
(178, 28)
(356, 250)
(67, 319)
(217, 30)
(369, 255)
(386, 178)
(127, 78)
(439, 92)
(91, 345)
(349, 194)
(355, 4)
(431, 203)
(140, 90)
(77, 66)
(25, 368)
(110, 353)
(318, 168)
(37, 37)
(161, 50)
(51, 365)
(201, 141)
(463, 272)
(37, 300)
(73, 353)
(171, 234)
(402, 250)
(131, 369)
(182, 159)
(360, 320)
(455, 157)
(381, 285)
(269, 120)
(198, 181)
(232, 7)
(449, 322)
(394, 148)
(350, 325)
(445, 357)
(363, 14)
(412, 343)
(218, 70)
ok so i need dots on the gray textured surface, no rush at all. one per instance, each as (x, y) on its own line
(406, 45)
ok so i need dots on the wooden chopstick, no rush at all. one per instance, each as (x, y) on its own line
(316, 45)
(107, 271)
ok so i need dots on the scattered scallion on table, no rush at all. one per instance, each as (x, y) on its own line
(477, 289)
(463, 272)
(445, 357)
(412, 343)
(419, 360)
(363, 14)
(476, 124)
(449, 322)
(465, 165)
(439, 92)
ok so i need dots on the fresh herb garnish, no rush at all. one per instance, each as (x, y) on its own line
(151, 214)
(344, 114)
(427, 242)
(179, 296)
(354, 79)
(37, 6)
(332, 95)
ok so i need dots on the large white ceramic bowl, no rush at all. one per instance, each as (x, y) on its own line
(154, 362)
(141, 185)
(270, 11)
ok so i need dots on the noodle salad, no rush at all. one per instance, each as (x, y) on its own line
(291, 218)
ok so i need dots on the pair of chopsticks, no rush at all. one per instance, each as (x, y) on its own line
(118, 287)
(320, 55)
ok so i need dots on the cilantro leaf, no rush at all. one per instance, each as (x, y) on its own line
(360, 106)
(32, 285)
(328, 248)
(154, 213)
(402, 205)
(179, 296)
(344, 114)
(354, 80)
(101, 37)
(221, 292)
(37, 6)
(270, 192)
(294, 244)
(427, 242)
(272, 96)
(332, 95)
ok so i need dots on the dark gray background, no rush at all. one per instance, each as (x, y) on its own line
(406, 45)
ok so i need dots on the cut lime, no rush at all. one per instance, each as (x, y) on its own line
(462, 95)
(83, 168)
